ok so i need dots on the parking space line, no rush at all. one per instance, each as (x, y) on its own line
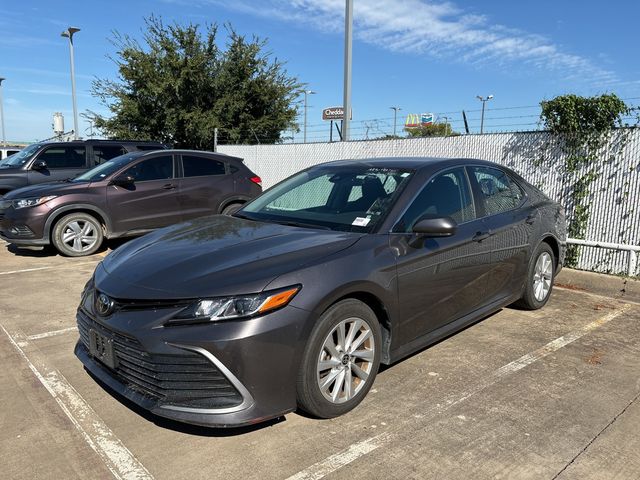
(113, 453)
(53, 333)
(417, 422)
(37, 269)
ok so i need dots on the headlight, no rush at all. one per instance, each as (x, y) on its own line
(31, 202)
(228, 308)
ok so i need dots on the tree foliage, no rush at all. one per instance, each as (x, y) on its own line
(432, 130)
(584, 126)
(180, 85)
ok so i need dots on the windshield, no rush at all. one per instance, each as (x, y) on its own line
(352, 198)
(105, 169)
(22, 157)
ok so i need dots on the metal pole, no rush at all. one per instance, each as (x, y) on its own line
(305, 116)
(215, 139)
(395, 114)
(69, 34)
(482, 118)
(4, 139)
(348, 41)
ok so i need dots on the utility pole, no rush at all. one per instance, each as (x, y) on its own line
(446, 126)
(306, 94)
(4, 139)
(348, 42)
(68, 33)
(483, 100)
(395, 114)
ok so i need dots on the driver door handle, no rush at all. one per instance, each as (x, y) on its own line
(169, 186)
(479, 236)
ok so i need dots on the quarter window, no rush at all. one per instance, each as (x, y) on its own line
(201, 166)
(498, 193)
(64, 157)
(445, 195)
(157, 168)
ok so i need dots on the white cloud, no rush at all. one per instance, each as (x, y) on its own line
(423, 27)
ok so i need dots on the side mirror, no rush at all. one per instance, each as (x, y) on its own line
(435, 226)
(122, 180)
(39, 165)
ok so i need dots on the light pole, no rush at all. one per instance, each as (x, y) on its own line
(483, 100)
(306, 94)
(395, 114)
(446, 126)
(68, 33)
(348, 41)
(4, 139)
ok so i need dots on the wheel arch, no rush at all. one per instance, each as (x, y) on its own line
(100, 215)
(555, 247)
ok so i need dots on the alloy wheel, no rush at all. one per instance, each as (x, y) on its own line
(79, 235)
(346, 360)
(542, 276)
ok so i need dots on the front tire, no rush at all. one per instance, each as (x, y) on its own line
(540, 277)
(77, 235)
(341, 360)
(231, 208)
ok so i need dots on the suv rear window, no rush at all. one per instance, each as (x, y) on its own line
(201, 166)
(102, 153)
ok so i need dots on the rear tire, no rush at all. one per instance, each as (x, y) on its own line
(540, 277)
(77, 235)
(341, 360)
(231, 208)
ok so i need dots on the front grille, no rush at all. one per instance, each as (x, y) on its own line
(187, 380)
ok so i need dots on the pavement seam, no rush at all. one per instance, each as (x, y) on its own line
(621, 299)
(109, 448)
(356, 450)
(586, 447)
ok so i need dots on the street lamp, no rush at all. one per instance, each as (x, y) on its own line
(68, 33)
(348, 42)
(306, 94)
(4, 139)
(483, 100)
(395, 114)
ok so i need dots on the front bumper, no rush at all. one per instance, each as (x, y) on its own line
(238, 372)
(24, 226)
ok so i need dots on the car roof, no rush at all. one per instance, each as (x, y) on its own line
(181, 151)
(98, 140)
(413, 163)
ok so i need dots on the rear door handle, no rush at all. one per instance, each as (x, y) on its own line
(479, 236)
(531, 218)
(169, 186)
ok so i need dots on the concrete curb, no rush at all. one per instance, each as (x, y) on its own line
(623, 288)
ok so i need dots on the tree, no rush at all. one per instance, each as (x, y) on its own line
(180, 85)
(432, 130)
(584, 126)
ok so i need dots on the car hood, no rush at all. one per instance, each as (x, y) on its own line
(45, 189)
(213, 256)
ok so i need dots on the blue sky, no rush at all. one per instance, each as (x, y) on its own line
(424, 56)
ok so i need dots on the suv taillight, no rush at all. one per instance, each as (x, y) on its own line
(257, 180)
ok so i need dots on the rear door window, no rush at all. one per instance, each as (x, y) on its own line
(102, 153)
(64, 157)
(498, 193)
(195, 166)
(157, 168)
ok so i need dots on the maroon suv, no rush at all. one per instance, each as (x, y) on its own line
(126, 196)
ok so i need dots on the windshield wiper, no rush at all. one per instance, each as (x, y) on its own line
(299, 224)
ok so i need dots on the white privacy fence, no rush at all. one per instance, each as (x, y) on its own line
(615, 195)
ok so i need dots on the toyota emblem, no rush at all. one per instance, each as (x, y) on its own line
(104, 305)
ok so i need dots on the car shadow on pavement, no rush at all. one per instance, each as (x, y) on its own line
(34, 252)
(185, 427)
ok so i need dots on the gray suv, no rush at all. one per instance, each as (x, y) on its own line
(52, 161)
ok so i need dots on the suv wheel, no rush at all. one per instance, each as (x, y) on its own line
(77, 235)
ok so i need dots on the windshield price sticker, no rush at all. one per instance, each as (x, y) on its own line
(361, 221)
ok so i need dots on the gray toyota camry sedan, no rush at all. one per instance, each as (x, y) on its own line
(296, 300)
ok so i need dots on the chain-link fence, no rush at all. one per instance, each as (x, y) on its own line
(614, 197)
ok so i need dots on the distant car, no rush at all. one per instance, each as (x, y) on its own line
(126, 196)
(8, 151)
(52, 161)
(296, 299)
